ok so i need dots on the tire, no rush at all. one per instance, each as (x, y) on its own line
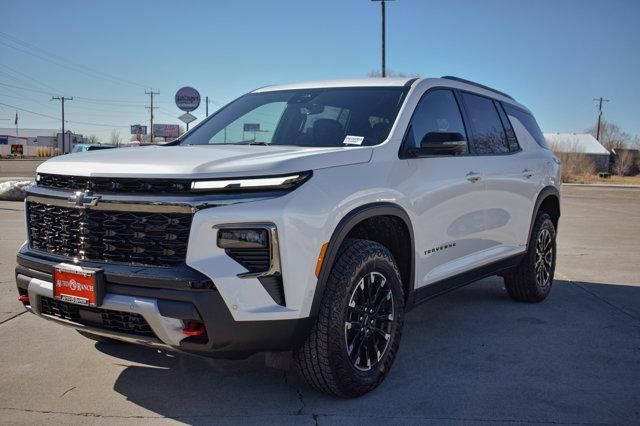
(528, 283)
(98, 338)
(332, 359)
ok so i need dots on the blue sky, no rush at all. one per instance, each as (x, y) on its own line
(554, 56)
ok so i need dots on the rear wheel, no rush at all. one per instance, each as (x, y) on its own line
(355, 339)
(533, 278)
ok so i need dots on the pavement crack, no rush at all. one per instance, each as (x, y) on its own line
(605, 301)
(67, 391)
(303, 404)
(12, 317)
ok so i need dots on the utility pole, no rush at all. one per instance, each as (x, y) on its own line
(62, 99)
(151, 108)
(600, 100)
(206, 103)
(383, 70)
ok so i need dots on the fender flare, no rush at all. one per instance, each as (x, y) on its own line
(346, 224)
(546, 192)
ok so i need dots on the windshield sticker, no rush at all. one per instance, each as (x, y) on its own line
(353, 140)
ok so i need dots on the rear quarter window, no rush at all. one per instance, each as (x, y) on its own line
(528, 122)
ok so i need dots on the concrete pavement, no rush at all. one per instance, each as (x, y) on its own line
(471, 356)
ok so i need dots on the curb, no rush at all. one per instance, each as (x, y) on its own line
(602, 185)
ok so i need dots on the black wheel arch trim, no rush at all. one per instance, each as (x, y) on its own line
(546, 192)
(346, 224)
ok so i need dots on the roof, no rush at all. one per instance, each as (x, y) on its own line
(356, 82)
(575, 142)
(27, 133)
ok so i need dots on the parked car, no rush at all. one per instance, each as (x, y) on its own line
(308, 217)
(84, 147)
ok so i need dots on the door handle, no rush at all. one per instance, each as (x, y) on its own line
(528, 173)
(473, 177)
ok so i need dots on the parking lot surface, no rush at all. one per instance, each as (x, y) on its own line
(471, 356)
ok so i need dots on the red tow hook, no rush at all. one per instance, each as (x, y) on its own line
(194, 329)
(24, 298)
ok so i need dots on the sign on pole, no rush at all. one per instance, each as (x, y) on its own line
(166, 130)
(137, 129)
(187, 118)
(251, 127)
(187, 99)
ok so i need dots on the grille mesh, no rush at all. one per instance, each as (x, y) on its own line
(127, 237)
(120, 185)
(123, 322)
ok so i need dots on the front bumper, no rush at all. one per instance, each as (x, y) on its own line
(166, 298)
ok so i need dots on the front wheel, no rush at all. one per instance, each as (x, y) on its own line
(355, 339)
(532, 279)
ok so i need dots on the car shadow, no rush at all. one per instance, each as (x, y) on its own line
(470, 355)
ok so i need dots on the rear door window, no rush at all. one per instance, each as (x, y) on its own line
(528, 122)
(511, 135)
(488, 134)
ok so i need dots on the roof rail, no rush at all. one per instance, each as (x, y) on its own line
(473, 83)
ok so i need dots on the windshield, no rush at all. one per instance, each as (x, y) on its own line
(310, 117)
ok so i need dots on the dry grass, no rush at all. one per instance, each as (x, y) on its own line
(617, 180)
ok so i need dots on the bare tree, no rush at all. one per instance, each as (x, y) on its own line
(93, 140)
(574, 164)
(624, 162)
(116, 139)
(611, 136)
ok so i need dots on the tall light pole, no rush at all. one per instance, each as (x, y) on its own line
(383, 70)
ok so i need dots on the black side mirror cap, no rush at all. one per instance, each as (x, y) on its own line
(440, 144)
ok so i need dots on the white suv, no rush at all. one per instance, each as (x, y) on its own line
(308, 217)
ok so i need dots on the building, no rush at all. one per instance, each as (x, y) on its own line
(32, 139)
(580, 143)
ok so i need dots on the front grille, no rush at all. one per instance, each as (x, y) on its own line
(122, 322)
(106, 236)
(255, 260)
(118, 185)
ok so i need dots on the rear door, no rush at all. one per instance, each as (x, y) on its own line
(510, 181)
(446, 194)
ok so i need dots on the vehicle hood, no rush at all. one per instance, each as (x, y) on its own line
(203, 161)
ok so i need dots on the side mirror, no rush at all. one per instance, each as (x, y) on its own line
(441, 143)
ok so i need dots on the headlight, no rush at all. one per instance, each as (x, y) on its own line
(244, 238)
(247, 184)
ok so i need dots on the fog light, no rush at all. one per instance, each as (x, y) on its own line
(244, 238)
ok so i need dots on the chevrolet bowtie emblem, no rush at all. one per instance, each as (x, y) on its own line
(84, 199)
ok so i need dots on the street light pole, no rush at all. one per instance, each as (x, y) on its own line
(383, 70)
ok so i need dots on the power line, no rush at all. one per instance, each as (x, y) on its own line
(25, 88)
(30, 112)
(87, 123)
(65, 62)
(22, 74)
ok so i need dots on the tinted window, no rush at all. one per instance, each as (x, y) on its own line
(488, 134)
(437, 111)
(511, 135)
(304, 117)
(528, 122)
